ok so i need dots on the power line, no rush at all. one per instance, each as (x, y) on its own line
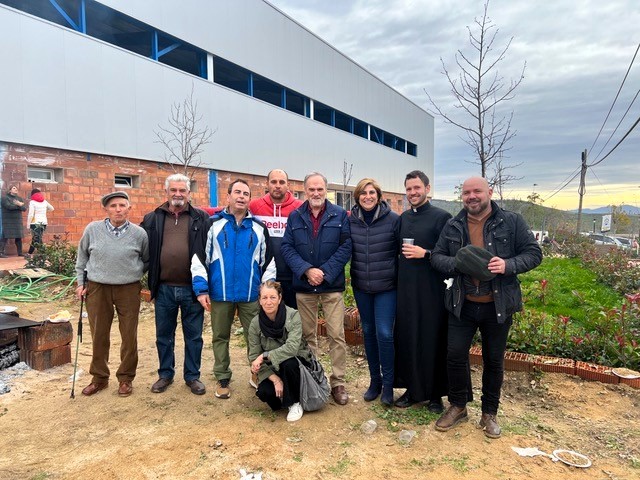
(568, 180)
(616, 145)
(563, 186)
(616, 98)
(618, 125)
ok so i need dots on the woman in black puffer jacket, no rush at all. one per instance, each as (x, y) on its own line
(374, 266)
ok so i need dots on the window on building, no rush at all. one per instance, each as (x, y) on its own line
(342, 121)
(126, 181)
(44, 175)
(344, 200)
(118, 29)
(181, 55)
(412, 149)
(377, 135)
(322, 113)
(297, 103)
(360, 128)
(401, 144)
(230, 75)
(267, 90)
(45, 9)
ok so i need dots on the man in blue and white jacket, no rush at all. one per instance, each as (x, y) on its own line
(238, 259)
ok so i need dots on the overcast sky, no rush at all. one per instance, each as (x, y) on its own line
(577, 53)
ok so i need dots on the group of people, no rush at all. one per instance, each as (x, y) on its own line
(424, 283)
(12, 207)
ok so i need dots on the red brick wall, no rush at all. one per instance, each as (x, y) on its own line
(87, 177)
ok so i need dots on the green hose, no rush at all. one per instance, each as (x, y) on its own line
(22, 288)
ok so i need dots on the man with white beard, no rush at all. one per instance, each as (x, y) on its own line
(177, 231)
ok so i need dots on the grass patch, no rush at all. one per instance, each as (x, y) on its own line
(572, 290)
(395, 418)
(341, 467)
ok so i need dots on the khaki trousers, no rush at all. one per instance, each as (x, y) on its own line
(333, 308)
(222, 314)
(102, 301)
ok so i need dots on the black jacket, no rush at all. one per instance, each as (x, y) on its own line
(374, 257)
(153, 223)
(507, 236)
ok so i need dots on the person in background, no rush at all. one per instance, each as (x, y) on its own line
(12, 207)
(375, 231)
(177, 231)
(273, 210)
(115, 254)
(275, 344)
(37, 218)
(481, 297)
(317, 246)
(237, 259)
(421, 322)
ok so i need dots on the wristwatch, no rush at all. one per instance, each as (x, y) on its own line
(265, 355)
(427, 254)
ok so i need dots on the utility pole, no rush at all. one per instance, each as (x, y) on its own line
(583, 174)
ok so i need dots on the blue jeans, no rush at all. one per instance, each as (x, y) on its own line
(476, 316)
(378, 315)
(169, 300)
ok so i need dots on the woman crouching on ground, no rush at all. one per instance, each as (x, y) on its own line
(275, 344)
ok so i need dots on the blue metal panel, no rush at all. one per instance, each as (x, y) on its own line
(283, 98)
(333, 118)
(154, 44)
(250, 86)
(64, 14)
(169, 49)
(213, 188)
(82, 15)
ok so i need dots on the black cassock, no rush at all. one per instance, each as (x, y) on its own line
(421, 322)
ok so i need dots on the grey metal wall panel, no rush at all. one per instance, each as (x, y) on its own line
(71, 91)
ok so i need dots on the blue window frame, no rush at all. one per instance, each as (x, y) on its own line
(297, 103)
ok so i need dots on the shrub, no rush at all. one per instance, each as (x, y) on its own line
(58, 256)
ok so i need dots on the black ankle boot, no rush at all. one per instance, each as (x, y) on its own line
(387, 396)
(372, 392)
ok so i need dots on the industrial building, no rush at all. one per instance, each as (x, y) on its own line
(86, 85)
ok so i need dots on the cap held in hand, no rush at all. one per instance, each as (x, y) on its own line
(474, 261)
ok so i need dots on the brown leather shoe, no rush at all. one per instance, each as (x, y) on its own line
(197, 387)
(94, 388)
(490, 426)
(340, 395)
(451, 417)
(161, 385)
(125, 389)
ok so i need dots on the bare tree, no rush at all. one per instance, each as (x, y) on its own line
(346, 178)
(479, 90)
(184, 139)
(501, 177)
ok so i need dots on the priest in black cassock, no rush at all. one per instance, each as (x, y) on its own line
(421, 321)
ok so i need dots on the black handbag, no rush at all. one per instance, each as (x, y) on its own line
(314, 387)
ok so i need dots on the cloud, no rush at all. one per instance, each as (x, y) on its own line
(577, 53)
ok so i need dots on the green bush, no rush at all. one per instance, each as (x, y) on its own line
(58, 256)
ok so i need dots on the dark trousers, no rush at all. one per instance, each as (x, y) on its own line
(18, 241)
(289, 373)
(169, 300)
(476, 316)
(288, 295)
(37, 231)
(378, 316)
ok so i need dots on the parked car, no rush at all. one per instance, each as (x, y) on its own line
(625, 242)
(600, 239)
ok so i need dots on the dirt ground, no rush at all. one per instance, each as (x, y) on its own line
(176, 434)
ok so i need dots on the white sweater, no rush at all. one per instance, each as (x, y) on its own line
(38, 212)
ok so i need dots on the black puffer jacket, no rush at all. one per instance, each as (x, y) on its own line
(374, 258)
(507, 236)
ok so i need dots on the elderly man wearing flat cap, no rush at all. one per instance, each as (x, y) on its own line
(483, 249)
(115, 255)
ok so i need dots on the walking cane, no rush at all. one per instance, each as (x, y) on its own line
(75, 367)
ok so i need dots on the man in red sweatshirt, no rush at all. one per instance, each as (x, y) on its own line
(273, 210)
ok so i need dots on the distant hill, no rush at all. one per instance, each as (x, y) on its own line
(628, 209)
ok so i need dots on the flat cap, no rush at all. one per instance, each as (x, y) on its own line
(109, 196)
(474, 261)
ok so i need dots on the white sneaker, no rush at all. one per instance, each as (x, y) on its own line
(253, 380)
(295, 413)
